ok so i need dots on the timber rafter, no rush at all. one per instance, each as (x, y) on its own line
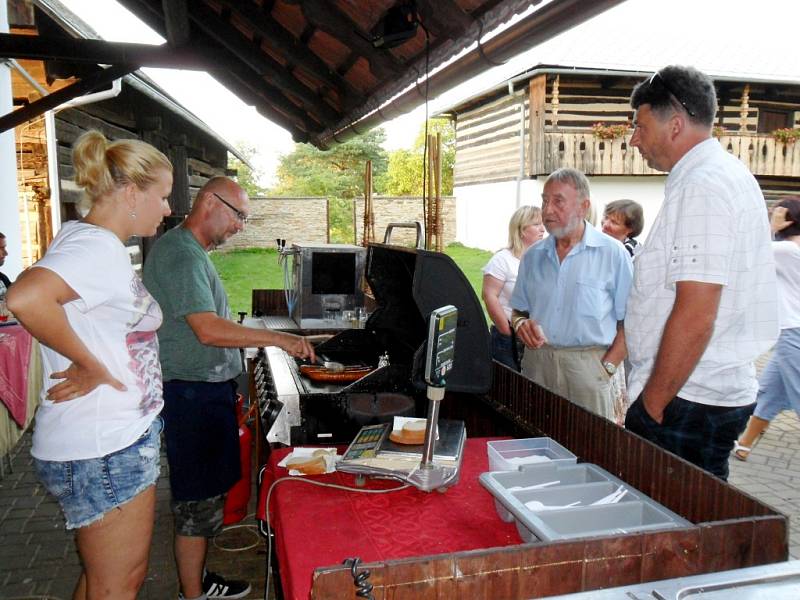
(309, 65)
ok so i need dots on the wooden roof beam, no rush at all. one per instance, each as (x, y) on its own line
(444, 18)
(265, 105)
(34, 47)
(65, 94)
(244, 83)
(263, 65)
(329, 19)
(265, 92)
(294, 50)
(176, 19)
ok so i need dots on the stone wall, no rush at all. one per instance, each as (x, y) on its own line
(392, 209)
(292, 219)
(306, 220)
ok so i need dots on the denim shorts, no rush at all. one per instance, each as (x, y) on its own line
(88, 489)
(779, 385)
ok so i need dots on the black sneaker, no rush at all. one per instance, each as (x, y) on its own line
(216, 586)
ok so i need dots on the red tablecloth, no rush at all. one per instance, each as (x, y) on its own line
(318, 526)
(15, 354)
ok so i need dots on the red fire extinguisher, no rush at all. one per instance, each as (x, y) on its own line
(238, 496)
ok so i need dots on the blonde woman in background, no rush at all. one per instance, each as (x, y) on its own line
(96, 444)
(500, 274)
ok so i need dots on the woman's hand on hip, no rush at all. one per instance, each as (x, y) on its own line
(79, 380)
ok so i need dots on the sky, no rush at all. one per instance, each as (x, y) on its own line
(701, 32)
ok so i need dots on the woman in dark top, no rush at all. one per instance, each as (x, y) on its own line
(624, 220)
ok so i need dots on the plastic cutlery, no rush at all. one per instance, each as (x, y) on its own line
(519, 488)
(613, 497)
(536, 505)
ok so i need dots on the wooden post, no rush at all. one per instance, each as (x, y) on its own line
(537, 102)
(181, 202)
(368, 234)
(554, 103)
(744, 108)
(437, 167)
(429, 194)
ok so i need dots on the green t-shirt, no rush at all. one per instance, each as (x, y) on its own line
(180, 276)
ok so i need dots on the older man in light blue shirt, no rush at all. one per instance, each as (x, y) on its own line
(569, 300)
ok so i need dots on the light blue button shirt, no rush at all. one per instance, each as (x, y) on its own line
(578, 301)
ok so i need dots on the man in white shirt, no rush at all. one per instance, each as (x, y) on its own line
(703, 303)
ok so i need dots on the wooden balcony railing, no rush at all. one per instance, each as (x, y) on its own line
(762, 154)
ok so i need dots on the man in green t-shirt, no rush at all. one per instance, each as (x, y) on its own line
(199, 352)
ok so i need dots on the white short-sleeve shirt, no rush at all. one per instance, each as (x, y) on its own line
(116, 318)
(787, 264)
(712, 228)
(503, 266)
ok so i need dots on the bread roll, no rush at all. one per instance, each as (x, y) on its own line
(308, 465)
(412, 433)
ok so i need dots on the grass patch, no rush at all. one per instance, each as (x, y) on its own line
(470, 261)
(242, 271)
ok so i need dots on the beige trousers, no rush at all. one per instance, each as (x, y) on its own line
(576, 374)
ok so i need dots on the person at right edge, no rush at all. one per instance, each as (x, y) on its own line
(779, 387)
(703, 303)
(200, 359)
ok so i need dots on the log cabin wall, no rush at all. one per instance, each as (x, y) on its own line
(195, 155)
(566, 106)
(488, 140)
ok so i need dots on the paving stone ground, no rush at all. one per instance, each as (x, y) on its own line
(38, 560)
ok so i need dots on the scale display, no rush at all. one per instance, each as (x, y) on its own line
(441, 345)
(367, 442)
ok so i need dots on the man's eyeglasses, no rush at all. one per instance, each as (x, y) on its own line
(239, 214)
(658, 77)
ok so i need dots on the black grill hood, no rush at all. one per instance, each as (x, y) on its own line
(408, 284)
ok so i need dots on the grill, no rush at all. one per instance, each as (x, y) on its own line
(407, 285)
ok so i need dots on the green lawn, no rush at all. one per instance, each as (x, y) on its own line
(242, 271)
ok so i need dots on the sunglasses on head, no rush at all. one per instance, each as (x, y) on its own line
(658, 79)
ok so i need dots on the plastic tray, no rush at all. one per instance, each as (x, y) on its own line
(556, 486)
(512, 455)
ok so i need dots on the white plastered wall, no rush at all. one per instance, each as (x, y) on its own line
(483, 211)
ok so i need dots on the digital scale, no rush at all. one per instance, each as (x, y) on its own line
(436, 463)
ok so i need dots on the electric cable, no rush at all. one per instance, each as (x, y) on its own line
(360, 580)
(289, 292)
(335, 486)
(245, 526)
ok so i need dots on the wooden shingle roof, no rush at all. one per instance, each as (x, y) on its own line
(312, 67)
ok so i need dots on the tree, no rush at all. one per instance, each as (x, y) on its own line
(334, 173)
(404, 175)
(245, 176)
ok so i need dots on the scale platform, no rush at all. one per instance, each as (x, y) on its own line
(373, 454)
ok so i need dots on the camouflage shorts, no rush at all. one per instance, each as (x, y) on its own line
(198, 518)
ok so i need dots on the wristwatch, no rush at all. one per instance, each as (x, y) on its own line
(610, 367)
